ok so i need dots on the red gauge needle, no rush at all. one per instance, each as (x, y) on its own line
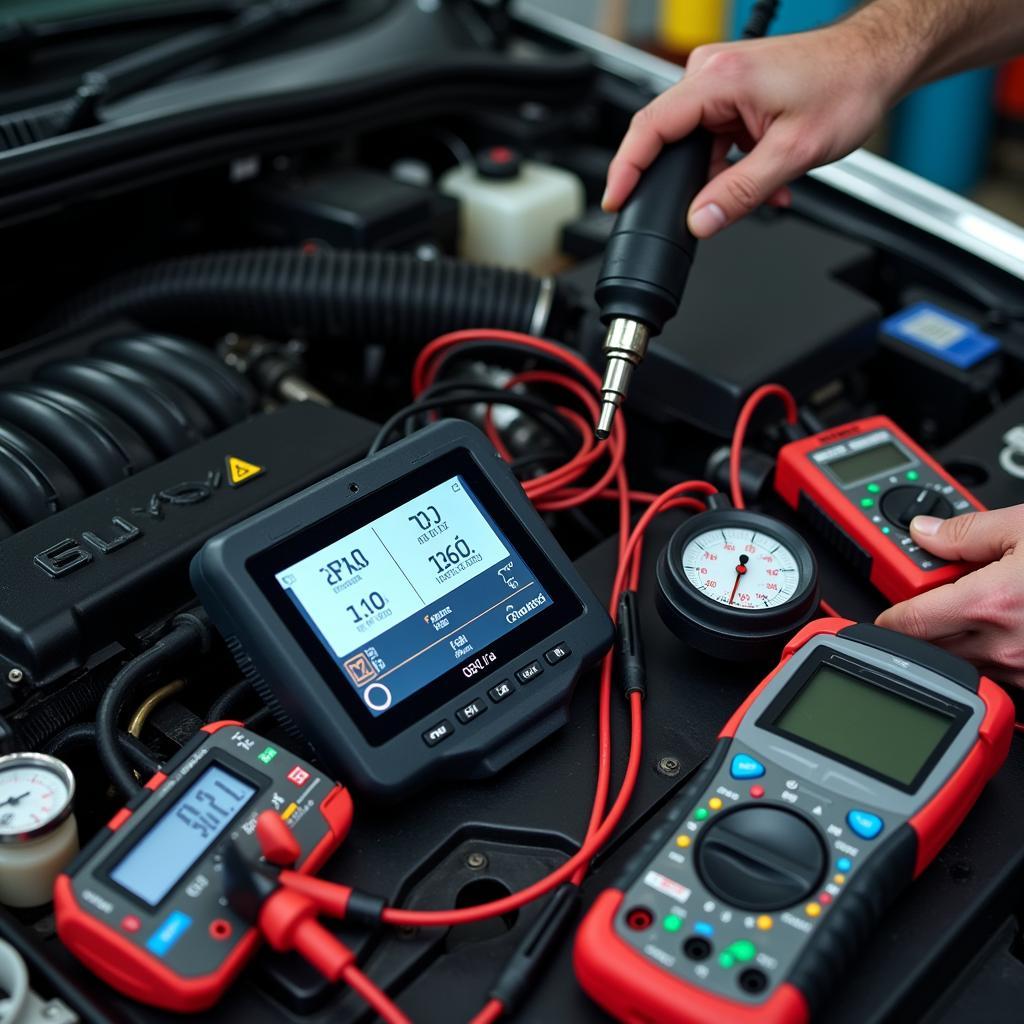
(741, 570)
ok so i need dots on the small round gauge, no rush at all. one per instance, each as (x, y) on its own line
(736, 584)
(36, 792)
(740, 567)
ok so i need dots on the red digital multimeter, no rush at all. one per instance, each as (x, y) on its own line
(860, 485)
(834, 785)
(143, 904)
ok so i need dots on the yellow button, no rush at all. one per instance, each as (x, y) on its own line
(839, 879)
(764, 922)
(715, 803)
(812, 909)
(683, 841)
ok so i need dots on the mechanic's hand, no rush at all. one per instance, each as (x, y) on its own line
(981, 615)
(792, 102)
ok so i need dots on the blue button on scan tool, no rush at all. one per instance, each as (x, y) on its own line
(864, 823)
(746, 767)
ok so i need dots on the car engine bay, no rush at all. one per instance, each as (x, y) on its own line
(221, 300)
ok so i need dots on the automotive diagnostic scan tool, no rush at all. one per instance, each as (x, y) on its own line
(834, 785)
(143, 905)
(861, 484)
(412, 616)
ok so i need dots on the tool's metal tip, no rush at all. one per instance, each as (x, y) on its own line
(604, 423)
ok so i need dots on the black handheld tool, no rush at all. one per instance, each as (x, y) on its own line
(647, 262)
(648, 257)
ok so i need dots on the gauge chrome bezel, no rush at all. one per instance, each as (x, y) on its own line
(56, 767)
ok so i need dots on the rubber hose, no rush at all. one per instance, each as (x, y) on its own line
(84, 734)
(225, 706)
(60, 709)
(190, 634)
(363, 296)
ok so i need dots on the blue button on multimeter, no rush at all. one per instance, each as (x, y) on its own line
(746, 767)
(864, 824)
(167, 935)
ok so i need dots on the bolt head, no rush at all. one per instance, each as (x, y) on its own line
(15, 675)
(476, 861)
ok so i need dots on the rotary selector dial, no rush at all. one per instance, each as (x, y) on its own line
(901, 504)
(761, 858)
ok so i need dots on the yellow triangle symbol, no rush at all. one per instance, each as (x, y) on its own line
(240, 471)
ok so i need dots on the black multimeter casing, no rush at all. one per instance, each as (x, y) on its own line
(280, 656)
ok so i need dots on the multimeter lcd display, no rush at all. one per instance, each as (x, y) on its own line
(424, 587)
(882, 458)
(866, 725)
(155, 864)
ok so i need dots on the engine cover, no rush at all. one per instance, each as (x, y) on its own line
(117, 562)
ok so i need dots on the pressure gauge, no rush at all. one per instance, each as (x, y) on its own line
(736, 584)
(38, 834)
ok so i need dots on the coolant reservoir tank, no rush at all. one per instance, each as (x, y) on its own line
(512, 211)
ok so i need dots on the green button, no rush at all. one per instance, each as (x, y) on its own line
(743, 950)
(867, 502)
(873, 488)
(912, 474)
(726, 960)
(701, 813)
(886, 530)
(268, 755)
(672, 923)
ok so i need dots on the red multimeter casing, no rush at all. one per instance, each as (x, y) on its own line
(182, 950)
(860, 484)
(778, 859)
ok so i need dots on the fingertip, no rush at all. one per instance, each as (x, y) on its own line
(707, 220)
(925, 526)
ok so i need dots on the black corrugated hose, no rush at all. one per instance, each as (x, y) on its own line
(83, 734)
(361, 296)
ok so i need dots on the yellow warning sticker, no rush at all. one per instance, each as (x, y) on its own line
(241, 472)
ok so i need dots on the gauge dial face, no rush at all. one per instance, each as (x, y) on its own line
(31, 797)
(741, 568)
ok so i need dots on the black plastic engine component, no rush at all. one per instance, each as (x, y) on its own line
(35, 483)
(117, 562)
(163, 413)
(96, 444)
(945, 396)
(350, 207)
(225, 395)
(989, 458)
(358, 296)
(749, 317)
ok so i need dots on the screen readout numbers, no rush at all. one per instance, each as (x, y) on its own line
(373, 578)
(157, 863)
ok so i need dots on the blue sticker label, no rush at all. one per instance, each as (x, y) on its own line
(941, 334)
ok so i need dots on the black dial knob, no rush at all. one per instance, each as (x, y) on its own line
(901, 504)
(761, 858)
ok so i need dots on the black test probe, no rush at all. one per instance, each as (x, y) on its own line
(650, 251)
